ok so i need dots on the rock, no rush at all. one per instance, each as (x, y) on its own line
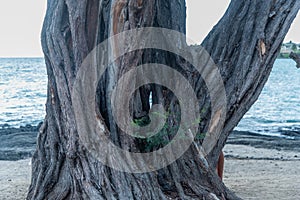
(5, 126)
(18, 143)
(296, 58)
(264, 141)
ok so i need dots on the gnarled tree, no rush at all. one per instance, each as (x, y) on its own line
(244, 45)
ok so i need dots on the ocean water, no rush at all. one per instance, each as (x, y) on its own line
(23, 83)
(277, 111)
(23, 89)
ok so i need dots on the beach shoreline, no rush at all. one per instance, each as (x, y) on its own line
(20, 143)
(252, 173)
(256, 166)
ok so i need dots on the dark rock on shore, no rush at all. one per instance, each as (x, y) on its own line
(294, 133)
(296, 58)
(17, 143)
(20, 143)
(265, 141)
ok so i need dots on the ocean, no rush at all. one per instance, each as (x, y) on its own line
(23, 91)
(23, 87)
(277, 110)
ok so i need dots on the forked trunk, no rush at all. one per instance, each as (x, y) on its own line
(243, 45)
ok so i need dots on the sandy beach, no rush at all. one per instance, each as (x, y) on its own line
(256, 166)
(253, 173)
(14, 179)
(258, 173)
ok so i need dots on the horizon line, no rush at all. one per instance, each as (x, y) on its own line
(42, 56)
(21, 57)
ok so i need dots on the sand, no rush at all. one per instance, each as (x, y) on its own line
(14, 179)
(253, 173)
(256, 173)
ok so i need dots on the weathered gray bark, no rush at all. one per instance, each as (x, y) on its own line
(244, 45)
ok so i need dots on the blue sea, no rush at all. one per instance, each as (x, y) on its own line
(277, 111)
(23, 84)
(23, 91)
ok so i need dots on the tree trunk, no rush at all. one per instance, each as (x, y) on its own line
(244, 46)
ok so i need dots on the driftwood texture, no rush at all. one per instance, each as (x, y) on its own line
(244, 45)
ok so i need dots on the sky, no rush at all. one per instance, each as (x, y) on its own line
(21, 22)
(20, 27)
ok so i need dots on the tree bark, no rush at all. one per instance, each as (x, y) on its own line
(244, 45)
